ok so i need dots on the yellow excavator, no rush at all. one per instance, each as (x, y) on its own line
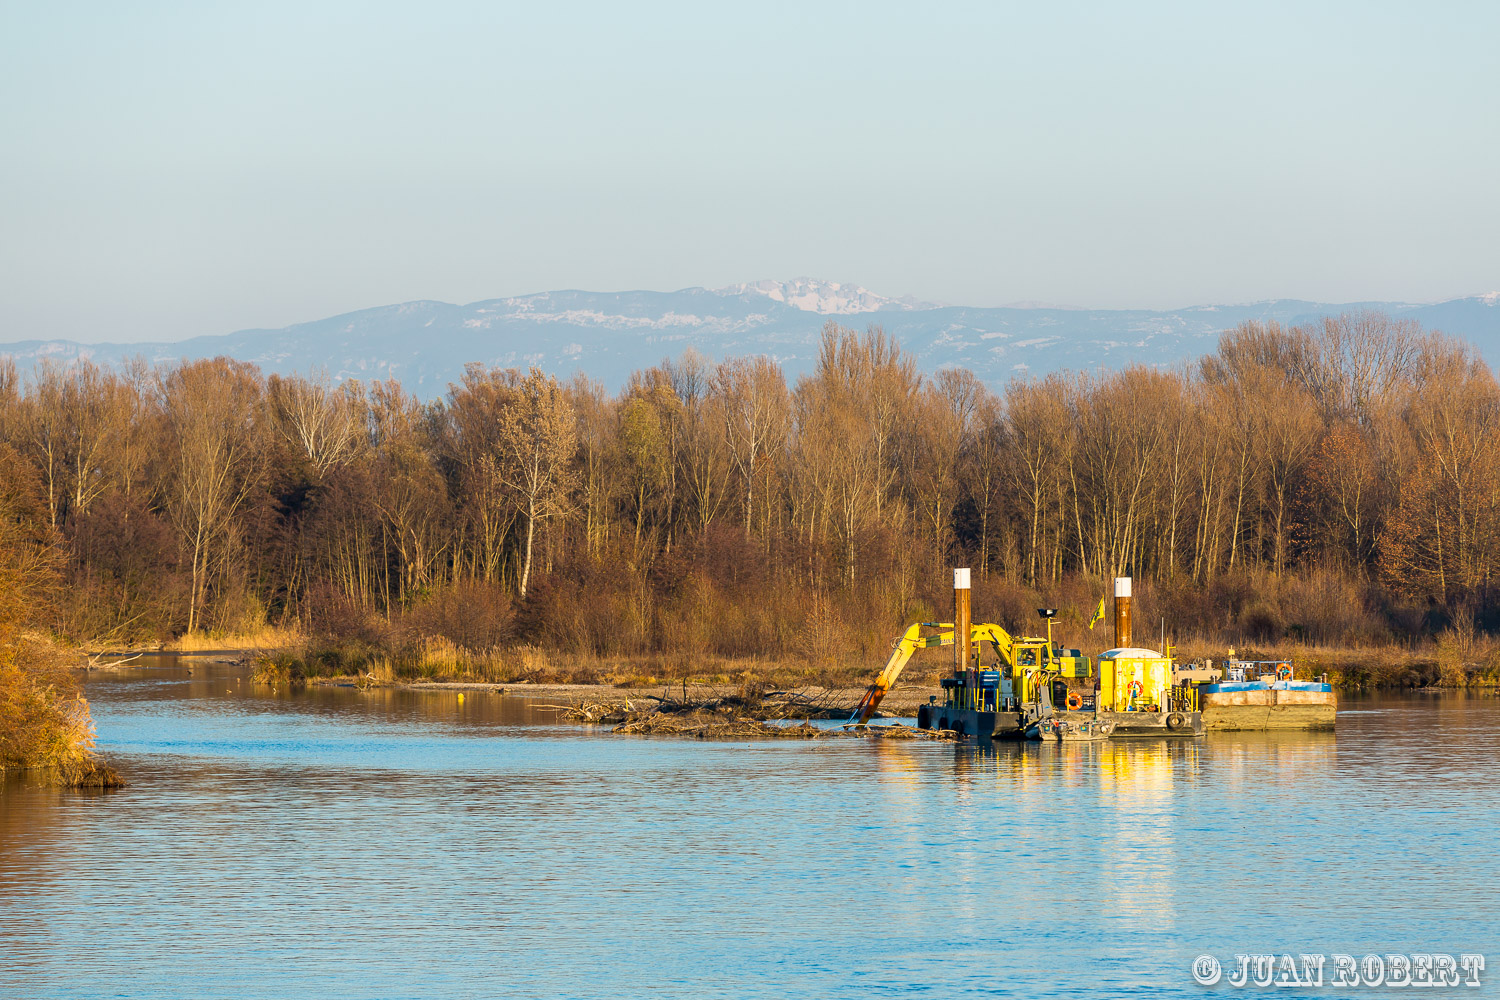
(977, 699)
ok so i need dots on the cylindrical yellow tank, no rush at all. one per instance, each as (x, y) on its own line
(1132, 677)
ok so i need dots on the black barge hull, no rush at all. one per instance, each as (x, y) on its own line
(968, 722)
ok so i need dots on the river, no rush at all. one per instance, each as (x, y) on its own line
(338, 843)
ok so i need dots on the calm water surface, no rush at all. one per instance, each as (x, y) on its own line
(337, 843)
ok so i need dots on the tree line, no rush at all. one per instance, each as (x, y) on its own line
(1334, 482)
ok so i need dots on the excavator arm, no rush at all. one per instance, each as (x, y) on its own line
(912, 640)
(1004, 644)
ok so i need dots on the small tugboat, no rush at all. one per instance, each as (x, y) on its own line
(1057, 730)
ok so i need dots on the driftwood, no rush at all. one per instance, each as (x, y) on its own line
(96, 661)
(712, 727)
(715, 727)
(748, 713)
(899, 732)
(755, 703)
(597, 712)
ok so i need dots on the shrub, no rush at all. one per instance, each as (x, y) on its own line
(44, 720)
(473, 615)
(334, 615)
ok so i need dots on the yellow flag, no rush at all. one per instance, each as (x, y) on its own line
(1098, 615)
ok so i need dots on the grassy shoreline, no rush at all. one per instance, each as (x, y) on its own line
(288, 659)
(434, 662)
(289, 655)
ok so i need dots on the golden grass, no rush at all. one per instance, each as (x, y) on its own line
(439, 657)
(45, 724)
(293, 659)
(434, 658)
(266, 638)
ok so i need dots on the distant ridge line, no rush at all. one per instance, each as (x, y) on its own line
(426, 342)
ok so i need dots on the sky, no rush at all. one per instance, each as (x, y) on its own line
(171, 170)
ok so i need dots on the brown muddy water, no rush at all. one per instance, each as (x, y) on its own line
(351, 844)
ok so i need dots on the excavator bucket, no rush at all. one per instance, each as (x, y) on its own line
(910, 641)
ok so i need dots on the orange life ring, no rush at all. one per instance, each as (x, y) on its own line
(1284, 671)
(1074, 701)
(1133, 689)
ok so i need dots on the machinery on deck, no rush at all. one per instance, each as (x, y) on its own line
(1031, 684)
(1019, 678)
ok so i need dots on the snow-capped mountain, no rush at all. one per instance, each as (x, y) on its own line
(828, 298)
(607, 335)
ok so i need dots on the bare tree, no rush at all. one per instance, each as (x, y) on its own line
(941, 434)
(75, 421)
(144, 428)
(1290, 431)
(649, 420)
(1356, 360)
(538, 435)
(873, 371)
(475, 414)
(838, 461)
(1181, 430)
(1041, 436)
(210, 408)
(1345, 473)
(409, 493)
(12, 407)
(702, 455)
(1454, 417)
(987, 463)
(326, 425)
(756, 410)
(596, 428)
(1120, 437)
(99, 410)
(43, 432)
(705, 457)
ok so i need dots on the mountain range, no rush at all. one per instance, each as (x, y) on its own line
(610, 334)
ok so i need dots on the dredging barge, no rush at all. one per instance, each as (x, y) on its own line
(1265, 694)
(1033, 688)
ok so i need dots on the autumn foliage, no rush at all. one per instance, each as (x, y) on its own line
(1335, 483)
(44, 721)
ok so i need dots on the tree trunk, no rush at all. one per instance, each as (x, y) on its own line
(530, 534)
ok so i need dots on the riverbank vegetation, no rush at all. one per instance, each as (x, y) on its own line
(1330, 492)
(45, 724)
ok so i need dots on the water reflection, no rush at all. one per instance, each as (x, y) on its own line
(338, 842)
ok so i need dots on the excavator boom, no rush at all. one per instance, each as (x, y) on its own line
(912, 640)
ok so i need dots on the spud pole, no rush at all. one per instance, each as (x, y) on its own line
(962, 620)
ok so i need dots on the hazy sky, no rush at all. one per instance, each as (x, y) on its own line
(173, 170)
